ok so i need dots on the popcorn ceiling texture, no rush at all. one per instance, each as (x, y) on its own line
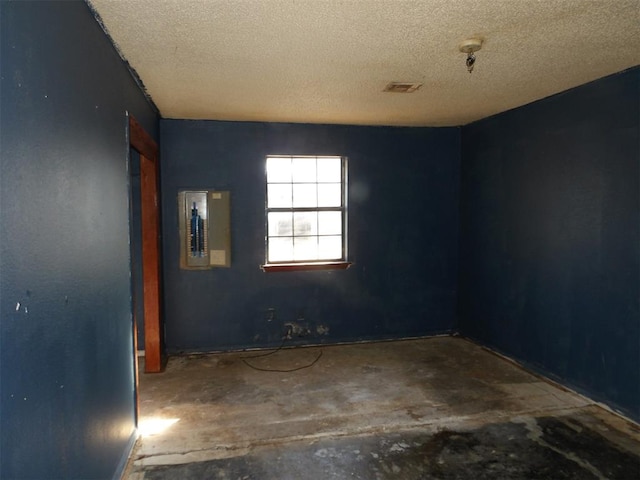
(327, 61)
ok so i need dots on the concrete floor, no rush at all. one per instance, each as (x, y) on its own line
(441, 407)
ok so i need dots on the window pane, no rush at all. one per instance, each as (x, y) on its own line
(305, 223)
(278, 169)
(304, 170)
(330, 169)
(329, 195)
(279, 195)
(280, 249)
(330, 248)
(330, 223)
(280, 224)
(304, 195)
(305, 248)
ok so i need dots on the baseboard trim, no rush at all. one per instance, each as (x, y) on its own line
(558, 382)
(124, 460)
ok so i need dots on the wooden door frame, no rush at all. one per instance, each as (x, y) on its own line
(142, 142)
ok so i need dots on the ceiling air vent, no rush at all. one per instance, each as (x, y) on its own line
(402, 87)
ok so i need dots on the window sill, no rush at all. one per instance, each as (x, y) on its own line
(305, 267)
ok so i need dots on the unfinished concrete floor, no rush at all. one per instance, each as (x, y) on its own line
(436, 408)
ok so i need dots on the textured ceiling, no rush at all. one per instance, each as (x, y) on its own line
(327, 61)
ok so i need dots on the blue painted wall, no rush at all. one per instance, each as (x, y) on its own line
(550, 237)
(66, 363)
(403, 234)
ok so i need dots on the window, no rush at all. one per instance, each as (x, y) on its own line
(306, 214)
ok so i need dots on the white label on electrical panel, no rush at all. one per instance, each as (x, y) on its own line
(216, 196)
(217, 257)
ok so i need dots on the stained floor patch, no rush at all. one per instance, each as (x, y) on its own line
(562, 448)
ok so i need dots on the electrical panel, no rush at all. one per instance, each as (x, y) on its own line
(204, 224)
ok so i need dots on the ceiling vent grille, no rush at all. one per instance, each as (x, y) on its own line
(402, 87)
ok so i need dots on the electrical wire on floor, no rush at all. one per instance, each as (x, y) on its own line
(284, 339)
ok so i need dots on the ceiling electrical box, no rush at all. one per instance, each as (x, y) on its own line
(205, 229)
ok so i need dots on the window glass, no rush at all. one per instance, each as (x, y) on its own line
(329, 195)
(304, 170)
(305, 223)
(278, 169)
(329, 223)
(330, 170)
(279, 195)
(280, 249)
(305, 248)
(280, 224)
(330, 247)
(305, 195)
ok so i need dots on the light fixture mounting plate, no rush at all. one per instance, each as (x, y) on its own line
(471, 45)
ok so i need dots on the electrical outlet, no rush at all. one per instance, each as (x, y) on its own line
(295, 329)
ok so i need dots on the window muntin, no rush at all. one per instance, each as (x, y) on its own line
(306, 215)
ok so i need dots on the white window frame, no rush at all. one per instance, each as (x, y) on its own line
(288, 264)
